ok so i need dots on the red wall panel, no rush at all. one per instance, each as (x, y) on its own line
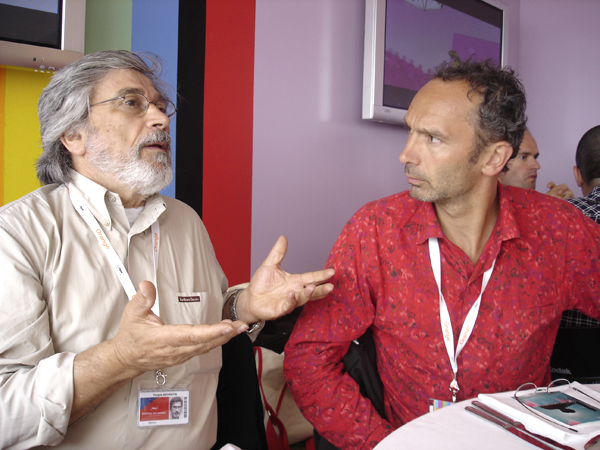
(228, 111)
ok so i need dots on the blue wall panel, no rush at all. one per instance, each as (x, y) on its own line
(154, 28)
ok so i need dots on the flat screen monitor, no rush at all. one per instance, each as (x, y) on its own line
(406, 39)
(41, 34)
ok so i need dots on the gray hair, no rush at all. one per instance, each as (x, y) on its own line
(63, 105)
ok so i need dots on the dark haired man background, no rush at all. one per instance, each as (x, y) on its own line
(587, 176)
(462, 280)
(521, 171)
(587, 173)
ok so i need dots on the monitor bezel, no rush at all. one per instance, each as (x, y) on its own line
(51, 59)
(374, 56)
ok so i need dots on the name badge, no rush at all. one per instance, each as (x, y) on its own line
(163, 407)
(438, 404)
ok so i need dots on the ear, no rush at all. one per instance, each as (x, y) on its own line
(74, 141)
(498, 157)
(578, 177)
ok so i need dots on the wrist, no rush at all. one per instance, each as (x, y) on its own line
(235, 313)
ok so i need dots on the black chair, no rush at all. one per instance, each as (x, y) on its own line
(240, 412)
(576, 354)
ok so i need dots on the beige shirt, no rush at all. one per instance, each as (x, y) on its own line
(59, 296)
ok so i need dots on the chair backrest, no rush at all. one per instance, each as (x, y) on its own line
(576, 354)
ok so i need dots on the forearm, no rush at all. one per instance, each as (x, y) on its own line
(97, 373)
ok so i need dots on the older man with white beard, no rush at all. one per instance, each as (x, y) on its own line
(86, 361)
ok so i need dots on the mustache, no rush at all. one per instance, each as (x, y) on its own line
(409, 170)
(157, 137)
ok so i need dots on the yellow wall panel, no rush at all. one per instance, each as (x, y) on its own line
(22, 143)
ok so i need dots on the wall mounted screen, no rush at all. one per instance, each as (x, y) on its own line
(41, 34)
(31, 22)
(406, 39)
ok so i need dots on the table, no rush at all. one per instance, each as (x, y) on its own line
(454, 428)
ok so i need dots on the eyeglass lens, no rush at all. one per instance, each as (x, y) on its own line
(137, 104)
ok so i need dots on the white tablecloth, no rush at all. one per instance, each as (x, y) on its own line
(454, 428)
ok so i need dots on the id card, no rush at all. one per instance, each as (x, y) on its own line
(163, 407)
(438, 404)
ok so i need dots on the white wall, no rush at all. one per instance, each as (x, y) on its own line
(316, 161)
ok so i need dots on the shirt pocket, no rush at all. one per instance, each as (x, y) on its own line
(193, 308)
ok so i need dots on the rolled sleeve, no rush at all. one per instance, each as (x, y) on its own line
(35, 402)
(36, 383)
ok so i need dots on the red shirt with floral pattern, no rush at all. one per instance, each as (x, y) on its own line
(547, 261)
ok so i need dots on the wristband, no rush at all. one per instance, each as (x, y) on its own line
(233, 314)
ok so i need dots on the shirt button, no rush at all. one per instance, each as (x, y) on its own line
(111, 199)
(106, 223)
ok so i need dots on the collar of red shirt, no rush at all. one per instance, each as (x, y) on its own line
(506, 227)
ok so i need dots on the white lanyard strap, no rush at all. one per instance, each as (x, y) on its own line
(109, 250)
(446, 322)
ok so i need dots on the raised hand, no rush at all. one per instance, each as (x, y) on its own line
(561, 191)
(272, 292)
(144, 342)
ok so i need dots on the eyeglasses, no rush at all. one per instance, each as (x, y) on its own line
(137, 105)
(553, 397)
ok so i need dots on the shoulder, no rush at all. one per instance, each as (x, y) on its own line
(398, 207)
(182, 219)
(389, 215)
(176, 206)
(589, 205)
(533, 209)
(43, 206)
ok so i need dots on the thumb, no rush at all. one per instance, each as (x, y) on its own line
(277, 252)
(551, 185)
(144, 298)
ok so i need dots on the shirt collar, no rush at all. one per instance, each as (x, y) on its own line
(99, 199)
(594, 194)
(428, 225)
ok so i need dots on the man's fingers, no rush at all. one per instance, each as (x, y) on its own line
(170, 345)
(321, 291)
(277, 252)
(312, 292)
(317, 277)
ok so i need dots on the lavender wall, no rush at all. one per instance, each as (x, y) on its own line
(316, 161)
(559, 65)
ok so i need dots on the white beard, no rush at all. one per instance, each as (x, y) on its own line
(143, 176)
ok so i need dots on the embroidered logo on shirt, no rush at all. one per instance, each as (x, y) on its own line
(189, 298)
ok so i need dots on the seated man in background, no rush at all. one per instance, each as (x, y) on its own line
(522, 170)
(587, 176)
(410, 267)
(86, 361)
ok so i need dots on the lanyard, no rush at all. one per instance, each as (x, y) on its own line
(109, 250)
(446, 322)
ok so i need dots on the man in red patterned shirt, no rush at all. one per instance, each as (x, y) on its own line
(413, 265)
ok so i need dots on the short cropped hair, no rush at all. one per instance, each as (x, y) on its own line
(63, 105)
(587, 156)
(502, 109)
